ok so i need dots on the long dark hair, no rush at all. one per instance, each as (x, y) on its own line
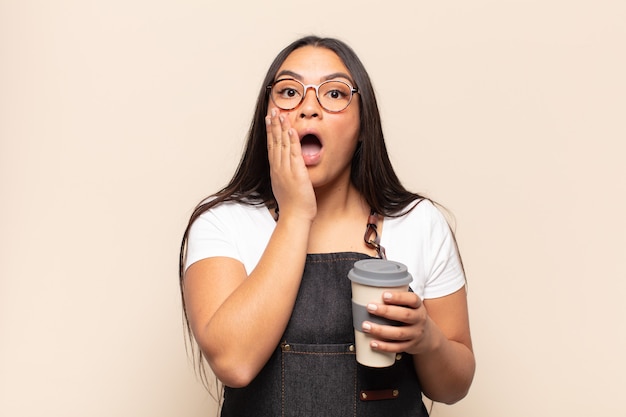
(371, 172)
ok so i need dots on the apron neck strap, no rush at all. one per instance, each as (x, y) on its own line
(371, 237)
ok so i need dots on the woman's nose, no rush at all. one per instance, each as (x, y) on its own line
(310, 107)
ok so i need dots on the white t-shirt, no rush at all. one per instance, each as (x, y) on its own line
(421, 240)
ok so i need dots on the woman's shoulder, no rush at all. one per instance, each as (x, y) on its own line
(234, 218)
(237, 210)
(230, 229)
(419, 224)
(421, 210)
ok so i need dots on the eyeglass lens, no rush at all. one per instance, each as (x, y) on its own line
(332, 95)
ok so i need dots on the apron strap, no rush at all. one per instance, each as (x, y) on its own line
(371, 237)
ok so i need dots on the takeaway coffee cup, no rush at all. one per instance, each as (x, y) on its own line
(370, 279)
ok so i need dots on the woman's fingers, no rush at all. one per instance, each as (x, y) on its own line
(282, 140)
(273, 137)
(403, 307)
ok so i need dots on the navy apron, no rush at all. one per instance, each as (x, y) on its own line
(314, 372)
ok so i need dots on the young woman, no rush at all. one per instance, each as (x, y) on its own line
(264, 261)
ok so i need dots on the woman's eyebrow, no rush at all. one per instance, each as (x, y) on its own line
(338, 75)
(289, 73)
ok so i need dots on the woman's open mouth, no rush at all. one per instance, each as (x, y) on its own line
(311, 149)
(310, 145)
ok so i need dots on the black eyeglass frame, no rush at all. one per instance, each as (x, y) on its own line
(353, 91)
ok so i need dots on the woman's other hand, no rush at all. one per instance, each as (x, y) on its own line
(412, 336)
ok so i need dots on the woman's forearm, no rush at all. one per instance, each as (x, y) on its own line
(445, 371)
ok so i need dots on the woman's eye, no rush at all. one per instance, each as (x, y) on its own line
(335, 94)
(288, 92)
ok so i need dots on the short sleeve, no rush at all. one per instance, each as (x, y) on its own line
(209, 237)
(421, 239)
(442, 267)
(233, 230)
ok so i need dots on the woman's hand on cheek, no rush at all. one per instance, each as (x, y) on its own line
(290, 179)
(412, 336)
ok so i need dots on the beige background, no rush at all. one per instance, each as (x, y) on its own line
(116, 117)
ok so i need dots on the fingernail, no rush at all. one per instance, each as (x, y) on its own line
(387, 296)
(374, 345)
(372, 307)
(366, 326)
(268, 121)
(273, 112)
(281, 118)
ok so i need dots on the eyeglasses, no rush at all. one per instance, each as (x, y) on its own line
(334, 96)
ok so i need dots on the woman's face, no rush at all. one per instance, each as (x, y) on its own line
(328, 139)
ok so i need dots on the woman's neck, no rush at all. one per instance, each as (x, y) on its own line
(340, 223)
(339, 201)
